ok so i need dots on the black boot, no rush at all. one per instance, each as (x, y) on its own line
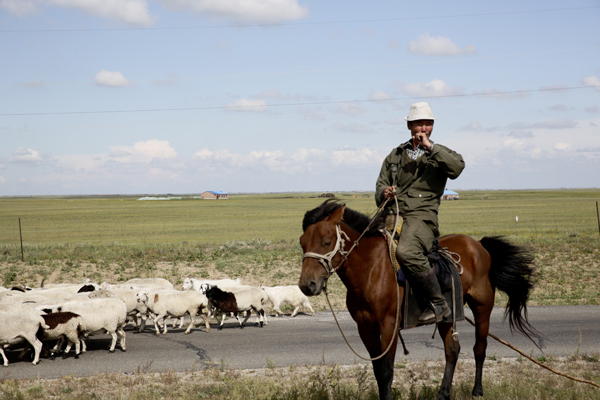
(427, 286)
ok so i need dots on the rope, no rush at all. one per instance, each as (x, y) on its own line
(537, 362)
(346, 339)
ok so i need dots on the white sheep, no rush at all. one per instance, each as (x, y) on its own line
(282, 295)
(98, 315)
(244, 300)
(17, 327)
(175, 304)
(190, 283)
(129, 297)
(148, 282)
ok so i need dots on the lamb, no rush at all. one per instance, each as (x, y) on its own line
(175, 304)
(19, 326)
(244, 300)
(107, 315)
(282, 295)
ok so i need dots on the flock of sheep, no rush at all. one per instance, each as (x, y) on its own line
(68, 313)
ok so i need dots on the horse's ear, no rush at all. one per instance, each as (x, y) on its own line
(337, 216)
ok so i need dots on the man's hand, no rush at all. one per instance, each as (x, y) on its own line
(421, 138)
(389, 192)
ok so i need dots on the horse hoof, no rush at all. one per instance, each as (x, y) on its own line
(123, 350)
(53, 357)
(111, 351)
(77, 356)
(65, 356)
(220, 328)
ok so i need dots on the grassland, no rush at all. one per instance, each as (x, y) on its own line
(255, 237)
(503, 379)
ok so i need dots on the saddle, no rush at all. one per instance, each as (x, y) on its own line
(448, 272)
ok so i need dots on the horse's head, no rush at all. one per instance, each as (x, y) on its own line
(320, 238)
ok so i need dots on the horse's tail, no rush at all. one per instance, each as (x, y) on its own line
(512, 272)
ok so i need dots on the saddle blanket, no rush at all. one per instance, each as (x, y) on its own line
(413, 304)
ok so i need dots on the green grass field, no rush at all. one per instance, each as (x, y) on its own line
(255, 237)
(125, 220)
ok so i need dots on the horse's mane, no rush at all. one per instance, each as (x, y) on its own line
(356, 220)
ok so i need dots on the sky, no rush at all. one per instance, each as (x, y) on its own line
(185, 96)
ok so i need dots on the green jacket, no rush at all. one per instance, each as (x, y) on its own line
(420, 184)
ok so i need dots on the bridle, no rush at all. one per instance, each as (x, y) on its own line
(326, 259)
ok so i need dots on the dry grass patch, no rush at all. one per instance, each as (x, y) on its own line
(510, 378)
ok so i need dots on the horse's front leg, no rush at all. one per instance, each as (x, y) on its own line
(451, 350)
(383, 368)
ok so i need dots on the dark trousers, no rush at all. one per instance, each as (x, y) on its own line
(415, 242)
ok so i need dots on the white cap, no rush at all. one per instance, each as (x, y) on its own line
(419, 111)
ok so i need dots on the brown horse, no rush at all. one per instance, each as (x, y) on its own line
(331, 229)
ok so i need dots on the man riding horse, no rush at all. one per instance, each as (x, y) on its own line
(416, 173)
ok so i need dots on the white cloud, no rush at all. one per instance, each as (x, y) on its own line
(351, 157)
(25, 155)
(129, 12)
(520, 134)
(303, 160)
(562, 146)
(248, 105)
(111, 79)
(243, 11)
(472, 126)
(19, 8)
(349, 108)
(559, 108)
(592, 81)
(436, 87)
(352, 127)
(592, 109)
(437, 46)
(556, 124)
(380, 95)
(155, 148)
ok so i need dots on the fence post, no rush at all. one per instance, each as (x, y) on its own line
(598, 216)
(21, 237)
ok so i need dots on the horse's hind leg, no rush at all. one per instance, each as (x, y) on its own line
(482, 326)
(451, 350)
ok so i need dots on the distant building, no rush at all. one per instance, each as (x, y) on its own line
(450, 195)
(327, 195)
(214, 195)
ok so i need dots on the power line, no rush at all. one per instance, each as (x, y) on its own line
(295, 23)
(251, 120)
(231, 107)
(537, 53)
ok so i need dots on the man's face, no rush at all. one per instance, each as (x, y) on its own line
(420, 127)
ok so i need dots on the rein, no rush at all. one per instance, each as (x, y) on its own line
(326, 261)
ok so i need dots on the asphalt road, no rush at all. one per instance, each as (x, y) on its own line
(306, 340)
